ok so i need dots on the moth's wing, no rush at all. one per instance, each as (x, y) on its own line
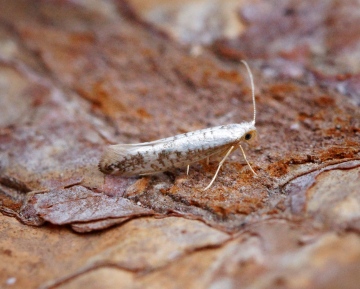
(123, 150)
(114, 154)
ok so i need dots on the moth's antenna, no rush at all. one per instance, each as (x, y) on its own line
(252, 86)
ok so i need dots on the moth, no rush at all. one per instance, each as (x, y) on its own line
(180, 150)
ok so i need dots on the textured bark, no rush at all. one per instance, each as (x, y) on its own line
(76, 76)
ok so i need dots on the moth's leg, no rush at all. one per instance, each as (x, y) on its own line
(187, 170)
(247, 160)
(220, 164)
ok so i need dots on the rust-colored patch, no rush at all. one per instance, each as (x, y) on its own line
(143, 113)
(247, 205)
(82, 38)
(338, 153)
(325, 101)
(12, 205)
(104, 97)
(232, 76)
(228, 52)
(303, 116)
(352, 143)
(138, 187)
(278, 169)
(280, 91)
(343, 129)
(219, 210)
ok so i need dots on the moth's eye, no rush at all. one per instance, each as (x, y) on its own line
(248, 136)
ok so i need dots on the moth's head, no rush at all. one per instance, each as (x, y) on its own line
(250, 136)
(250, 133)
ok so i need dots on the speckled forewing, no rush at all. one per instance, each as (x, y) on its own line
(139, 160)
(172, 152)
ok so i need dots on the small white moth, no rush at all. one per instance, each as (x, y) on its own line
(180, 150)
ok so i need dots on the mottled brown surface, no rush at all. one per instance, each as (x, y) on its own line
(76, 76)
